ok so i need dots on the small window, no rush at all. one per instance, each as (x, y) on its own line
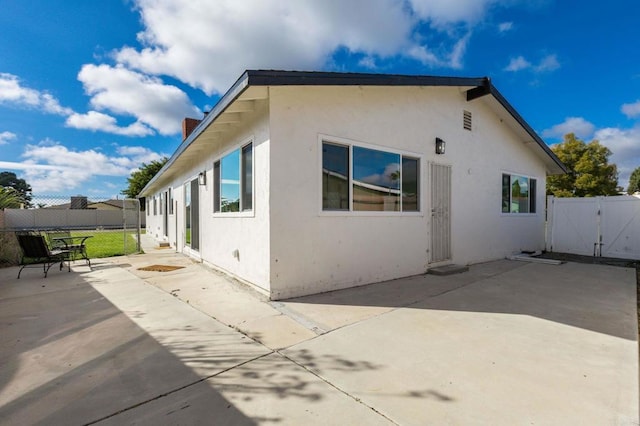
(161, 203)
(369, 180)
(518, 194)
(155, 206)
(466, 120)
(233, 181)
(170, 200)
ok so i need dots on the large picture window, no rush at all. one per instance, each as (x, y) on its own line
(364, 179)
(518, 194)
(233, 181)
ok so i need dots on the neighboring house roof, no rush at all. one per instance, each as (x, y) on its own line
(98, 205)
(252, 85)
(129, 204)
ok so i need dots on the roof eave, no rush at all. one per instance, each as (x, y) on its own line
(516, 116)
(231, 95)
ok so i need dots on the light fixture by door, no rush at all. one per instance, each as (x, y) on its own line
(440, 146)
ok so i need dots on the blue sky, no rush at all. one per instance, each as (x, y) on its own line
(90, 90)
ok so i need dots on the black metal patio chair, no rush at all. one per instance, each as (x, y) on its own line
(62, 240)
(35, 252)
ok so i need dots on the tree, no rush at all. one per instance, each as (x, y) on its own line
(10, 180)
(10, 198)
(141, 177)
(634, 182)
(589, 172)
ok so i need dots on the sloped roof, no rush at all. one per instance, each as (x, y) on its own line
(476, 87)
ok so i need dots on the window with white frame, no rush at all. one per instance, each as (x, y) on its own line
(356, 178)
(233, 181)
(518, 194)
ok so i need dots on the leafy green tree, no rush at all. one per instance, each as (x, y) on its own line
(10, 180)
(634, 182)
(141, 177)
(589, 172)
(10, 198)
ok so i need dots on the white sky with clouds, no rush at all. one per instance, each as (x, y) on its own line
(183, 51)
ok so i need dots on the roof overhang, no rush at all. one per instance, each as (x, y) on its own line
(253, 85)
(508, 114)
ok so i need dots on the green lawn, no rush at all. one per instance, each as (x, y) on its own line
(108, 243)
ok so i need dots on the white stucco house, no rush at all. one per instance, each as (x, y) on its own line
(305, 182)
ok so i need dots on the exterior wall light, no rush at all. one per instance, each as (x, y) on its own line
(202, 178)
(440, 146)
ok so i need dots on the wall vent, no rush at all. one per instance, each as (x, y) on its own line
(466, 120)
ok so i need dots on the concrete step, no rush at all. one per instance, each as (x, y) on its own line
(448, 269)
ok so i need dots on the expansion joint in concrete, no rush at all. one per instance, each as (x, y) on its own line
(178, 389)
(347, 394)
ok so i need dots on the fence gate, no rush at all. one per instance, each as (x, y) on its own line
(596, 226)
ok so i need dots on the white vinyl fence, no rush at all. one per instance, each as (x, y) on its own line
(594, 226)
(69, 219)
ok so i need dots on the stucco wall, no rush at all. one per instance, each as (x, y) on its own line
(222, 234)
(312, 251)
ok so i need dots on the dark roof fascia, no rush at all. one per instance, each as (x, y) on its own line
(511, 110)
(232, 94)
(311, 78)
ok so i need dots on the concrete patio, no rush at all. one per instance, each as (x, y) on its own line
(505, 343)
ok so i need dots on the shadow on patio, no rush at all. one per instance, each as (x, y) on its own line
(599, 298)
(77, 347)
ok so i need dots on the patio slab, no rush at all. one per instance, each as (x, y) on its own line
(504, 343)
(84, 346)
(538, 344)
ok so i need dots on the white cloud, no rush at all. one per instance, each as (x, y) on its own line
(631, 110)
(547, 64)
(95, 121)
(517, 64)
(5, 137)
(139, 154)
(576, 125)
(623, 143)
(51, 167)
(208, 44)
(625, 147)
(126, 92)
(12, 92)
(459, 49)
(445, 12)
(367, 62)
(504, 27)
